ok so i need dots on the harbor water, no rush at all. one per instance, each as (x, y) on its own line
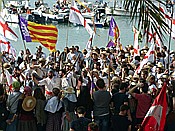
(69, 35)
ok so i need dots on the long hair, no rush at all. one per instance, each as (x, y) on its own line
(38, 94)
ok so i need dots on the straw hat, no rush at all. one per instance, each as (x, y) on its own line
(69, 90)
(136, 76)
(94, 52)
(104, 52)
(29, 103)
(173, 74)
(160, 65)
(95, 70)
(164, 76)
(6, 65)
(42, 59)
(69, 64)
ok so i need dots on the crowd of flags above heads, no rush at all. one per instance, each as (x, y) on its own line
(47, 35)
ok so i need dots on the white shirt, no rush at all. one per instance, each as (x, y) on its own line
(55, 82)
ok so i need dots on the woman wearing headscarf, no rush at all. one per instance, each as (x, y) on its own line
(55, 109)
(25, 111)
(70, 101)
(40, 114)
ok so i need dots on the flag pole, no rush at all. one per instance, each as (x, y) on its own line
(172, 6)
(67, 34)
(21, 33)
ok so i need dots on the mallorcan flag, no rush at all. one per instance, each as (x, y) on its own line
(45, 34)
(113, 29)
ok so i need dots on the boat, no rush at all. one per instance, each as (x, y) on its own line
(117, 12)
(46, 17)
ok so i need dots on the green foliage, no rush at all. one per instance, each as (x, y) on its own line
(147, 15)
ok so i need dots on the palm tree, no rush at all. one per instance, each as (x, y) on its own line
(147, 15)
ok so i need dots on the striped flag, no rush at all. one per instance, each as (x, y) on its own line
(113, 29)
(45, 34)
(110, 44)
(75, 16)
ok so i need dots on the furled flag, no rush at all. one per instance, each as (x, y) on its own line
(149, 57)
(110, 44)
(9, 79)
(45, 34)
(156, 116)
(6, 31)
(6, 46)
(76, 17)
(89, 43)
(173, 29)
(92, 87)
(136, 41)
(113, 29)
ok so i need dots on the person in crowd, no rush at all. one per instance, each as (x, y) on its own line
(25, 111)
(70, 100)
(12, 104)
(119, 98)
(120, 122)
(40, 114)
(83, 93)
(81, 124)
(143, 101)
(93, 126)
(55, 109)
(3, 110)
(101, 106)
(49, 82)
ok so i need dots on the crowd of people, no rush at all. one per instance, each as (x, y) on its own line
(73, 90)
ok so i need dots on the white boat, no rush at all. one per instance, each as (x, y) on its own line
(42, 18)
(117, 11)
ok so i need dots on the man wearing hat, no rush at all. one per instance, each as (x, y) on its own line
(12, 103)
(70, 54)
(49, 82)
(39, 53)
(104, 60)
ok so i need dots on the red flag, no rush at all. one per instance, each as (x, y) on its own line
(156, 116)
(6, 31)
